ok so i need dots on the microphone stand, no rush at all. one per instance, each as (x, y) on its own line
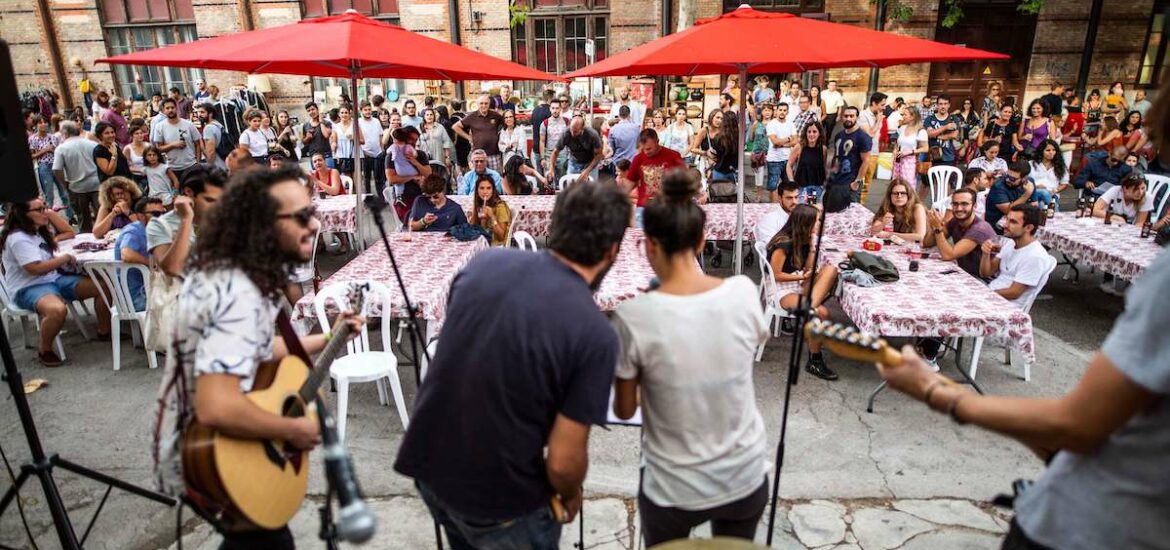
(376, 206)
(803, 312)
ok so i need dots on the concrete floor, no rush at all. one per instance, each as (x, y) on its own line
(845, 471)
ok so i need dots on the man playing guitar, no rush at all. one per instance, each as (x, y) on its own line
(226, 326)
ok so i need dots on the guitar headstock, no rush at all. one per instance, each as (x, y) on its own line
(356, 297)
(851, 343)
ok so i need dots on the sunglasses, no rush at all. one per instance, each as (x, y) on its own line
(155, 212)
(899, 194)
(303, 217)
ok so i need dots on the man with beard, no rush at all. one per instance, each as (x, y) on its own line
(771, 223)
(315, 135)
(851, 149)
(585, 150)
(410, 115)
(1017, 261)
(1012, 189)
(213, 133)
(647, 168)
(637, 110)
(225, 326)
(1099, 175)
(178, 138)
(942, 128)
(373, 156)
(535, 363)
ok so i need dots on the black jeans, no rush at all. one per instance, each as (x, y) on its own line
(737, 519)
(280, 539)
(374, 170)
(85, 207)
(1017, 540)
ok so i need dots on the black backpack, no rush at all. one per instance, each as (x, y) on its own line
(227, 142)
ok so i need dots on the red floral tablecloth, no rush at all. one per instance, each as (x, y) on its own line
(929, 303)
(533, 212)
(84, 248)
(1117, 249)
(338, 214)
(630, 275)
(854, 220)
(429, 261)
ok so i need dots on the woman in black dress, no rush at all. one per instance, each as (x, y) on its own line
(807, 165)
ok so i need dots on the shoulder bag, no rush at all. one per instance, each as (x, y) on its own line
(162, 305)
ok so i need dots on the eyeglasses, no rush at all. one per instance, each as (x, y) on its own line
(155, 212)
(303, 217)
(38, 209)
(899, 194)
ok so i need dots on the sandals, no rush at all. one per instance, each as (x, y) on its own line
(49, 359)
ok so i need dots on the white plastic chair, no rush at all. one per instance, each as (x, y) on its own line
(347, 184)
(11, 311)
(769, 294)
(940, 178)
(1027, 307)
(113, 282)
(524, 241)
(304, 273)
(361, 364)
(566, 180)
(1158, 184)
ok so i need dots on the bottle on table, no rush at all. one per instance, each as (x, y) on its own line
(1052, 209)
(1108, 214)
(1147, 228)
(1080, 207)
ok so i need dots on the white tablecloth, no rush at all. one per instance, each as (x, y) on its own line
(105, 254)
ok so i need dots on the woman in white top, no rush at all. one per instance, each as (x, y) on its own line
(912, 140)
(1049, 173)
(988, 160)
(513, 138)
(133, 152)
(254, 139)
(342, 141)
(688, 348)
(434, 139)
(1130, 202)
(679, 135)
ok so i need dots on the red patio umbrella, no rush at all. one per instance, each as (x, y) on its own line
(350, 46)
(748, 40)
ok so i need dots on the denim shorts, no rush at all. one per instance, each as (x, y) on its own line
(65, 287)
(775, 175)
(723, 176)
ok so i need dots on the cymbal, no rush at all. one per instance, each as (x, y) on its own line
(717, 543)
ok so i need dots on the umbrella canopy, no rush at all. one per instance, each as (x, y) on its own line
(345, 46)
(765, 42)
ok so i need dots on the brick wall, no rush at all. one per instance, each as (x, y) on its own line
(20, 26)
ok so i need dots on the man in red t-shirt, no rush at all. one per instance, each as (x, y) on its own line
(648, 166)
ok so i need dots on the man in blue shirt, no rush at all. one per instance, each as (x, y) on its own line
(432, 211)
(943, 130)
(851, 149)
(479, 167)
(623, 136)
(1102, 173)
(131, 246)
(1010, 190)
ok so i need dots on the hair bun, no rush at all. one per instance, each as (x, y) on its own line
(679, 186)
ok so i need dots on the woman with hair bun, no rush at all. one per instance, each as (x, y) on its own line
(688, 348)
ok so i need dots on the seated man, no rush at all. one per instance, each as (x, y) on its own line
(171, 237)
(479, 167)
(975, 179)
(432, 211)
(1018, 262)
(770, 224)
(131, 245)
(964, 228)
(1009, 191)
(1102, 173)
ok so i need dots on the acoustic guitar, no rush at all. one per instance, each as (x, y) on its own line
(850, 343)
(248, 483)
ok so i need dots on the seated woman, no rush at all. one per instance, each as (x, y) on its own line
(31, 277)
(1128, 202)
(516, 174)
(116, 199)
(326, 180)
(432, 211)
(490, 212)
(1049, 173)
(688, 348)
(988, 160)
(1108, 138)
(901, 214)
(790, 253)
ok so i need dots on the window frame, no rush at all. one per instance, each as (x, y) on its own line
(173, 14)
(376, 12)
(802, 6)
(1161, 7)
(559, 16)
(164, 78)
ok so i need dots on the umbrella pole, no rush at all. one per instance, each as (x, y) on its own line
(738, 255)
(358, 184)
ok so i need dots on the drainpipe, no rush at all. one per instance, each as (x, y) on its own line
(249, 23)
(660, 82)
(453, 23)
(55, 57)
(1090, 43)
(879, 25)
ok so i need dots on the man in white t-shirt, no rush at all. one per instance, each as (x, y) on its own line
(834, 102)
(771, 223)
(870, 120)
(1018, 262)
(782, 135)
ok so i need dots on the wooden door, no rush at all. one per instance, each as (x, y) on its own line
(992, 25)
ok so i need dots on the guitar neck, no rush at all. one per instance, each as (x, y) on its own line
(320, 369)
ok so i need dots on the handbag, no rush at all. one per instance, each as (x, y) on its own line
(721, 191)
(162, 305)
(759, 158)
(880, 268)
(936, 154)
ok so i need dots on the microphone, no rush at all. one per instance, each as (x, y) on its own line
(355, 523)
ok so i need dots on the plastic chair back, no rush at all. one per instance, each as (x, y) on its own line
(524, 241)
(767, 277)
(941, 178)
(338, 293)
(347, 184)
(113, 282)
(1040, 285)
(1159, 185)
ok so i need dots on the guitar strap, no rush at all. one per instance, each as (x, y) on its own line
(291, 340)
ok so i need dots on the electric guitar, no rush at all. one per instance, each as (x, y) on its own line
(251, 483)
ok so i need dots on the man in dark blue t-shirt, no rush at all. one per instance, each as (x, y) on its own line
(1010, 190)
(432, 211)
(942, 128)
(519, 368)
(851, 150)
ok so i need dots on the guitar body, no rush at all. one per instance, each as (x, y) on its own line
(256, 482)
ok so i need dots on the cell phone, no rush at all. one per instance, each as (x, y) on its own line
(295, 120)
(831, 249)
(948, 272)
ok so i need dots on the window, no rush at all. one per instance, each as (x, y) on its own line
(1154, 58)
(121, 12)
(372, 8)
(136, 38)
(556, 44)
(388, 88)
(797, 6)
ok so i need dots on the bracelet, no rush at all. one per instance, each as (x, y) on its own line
(952, 408)
(328, 336)
(930, 391)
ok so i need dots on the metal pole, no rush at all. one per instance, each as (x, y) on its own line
(738, 255)
(878, 25)
(1090, 43)
(358, 184)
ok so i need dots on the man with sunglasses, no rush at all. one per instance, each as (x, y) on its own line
(1012, 189)
(131, 245)
(432, 211)
(171, 237)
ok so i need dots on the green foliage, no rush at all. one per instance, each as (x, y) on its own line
(518, 14)
(952, 10)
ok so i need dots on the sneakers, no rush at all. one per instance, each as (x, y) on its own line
(816, 367)
(1109, 288)
(787, 325)
(49, 358)
(932, 363)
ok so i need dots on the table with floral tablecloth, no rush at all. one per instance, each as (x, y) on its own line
(338, 214)
(533, 212)
(428, 260)
(85, 247)
(630, 275)
(854, 220)
(1117, 249)
(938, 300)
